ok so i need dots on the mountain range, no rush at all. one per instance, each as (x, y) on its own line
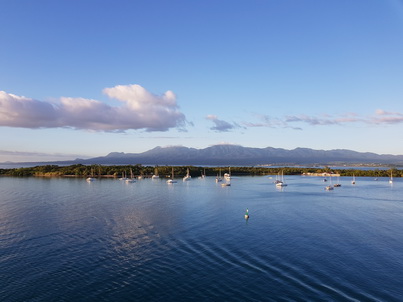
(240, 156)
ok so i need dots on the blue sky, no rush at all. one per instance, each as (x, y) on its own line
(85, 78)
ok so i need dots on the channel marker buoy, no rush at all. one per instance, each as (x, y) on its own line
(247, 214)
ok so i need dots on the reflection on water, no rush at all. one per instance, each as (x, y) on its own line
(67, 239)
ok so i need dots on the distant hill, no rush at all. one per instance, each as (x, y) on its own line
(239, 156)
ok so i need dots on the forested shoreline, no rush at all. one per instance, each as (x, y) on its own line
(101, 171)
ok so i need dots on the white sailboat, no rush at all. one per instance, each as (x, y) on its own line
(218, 178)
(131, 179)
(280, 182)
(353, 181)
(187, 176)
(278, 178)
(329, 187)
(123, 176)
(227, 176)
(203, 174)
(171, 181)
(226, 184)
(155, 175)
(90, 178)
(391, 178)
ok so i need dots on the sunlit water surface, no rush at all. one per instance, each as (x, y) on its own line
(68, 240)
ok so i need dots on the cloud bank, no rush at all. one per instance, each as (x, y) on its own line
(37, 156)
(139, 109)
(380, 117)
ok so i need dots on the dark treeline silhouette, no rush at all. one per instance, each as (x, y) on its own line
(80, 170)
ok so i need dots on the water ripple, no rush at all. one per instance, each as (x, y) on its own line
(66, 240)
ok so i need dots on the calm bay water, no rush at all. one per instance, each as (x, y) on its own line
(68, 240)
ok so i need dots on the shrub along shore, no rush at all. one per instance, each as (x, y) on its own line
(100, 171)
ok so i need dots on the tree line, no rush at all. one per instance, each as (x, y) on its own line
(80, 170)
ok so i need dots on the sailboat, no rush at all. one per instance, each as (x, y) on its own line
(227, 176)
(123, 176)
(171, 181)
(278, 178)
(131, 179)
(91, 178)
(218, 178)
(155, 175)
(329, 187)
(187, 176)
(338, 182)
(353, 181)
(391, 178)
(203, 174)
(280, 182)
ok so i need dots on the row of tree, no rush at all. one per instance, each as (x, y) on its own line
(80, 170)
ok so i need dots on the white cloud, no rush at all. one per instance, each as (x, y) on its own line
(385, 117)
(140, 109)
(19, 111)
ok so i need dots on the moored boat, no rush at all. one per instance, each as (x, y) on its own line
(280, 182)
(187, 176)
(171, 180)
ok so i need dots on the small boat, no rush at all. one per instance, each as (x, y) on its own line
(277, 178)
(203, 175)
(338, 183)
(187, 176)
(329, 187)
(155, 175)
(218, 178)
(90, 178)
(353, 181)
(171, 180)
(391, 178)
(131, 179)
(123, 176)
(227, 176)
(247, 214)
(280, 182)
